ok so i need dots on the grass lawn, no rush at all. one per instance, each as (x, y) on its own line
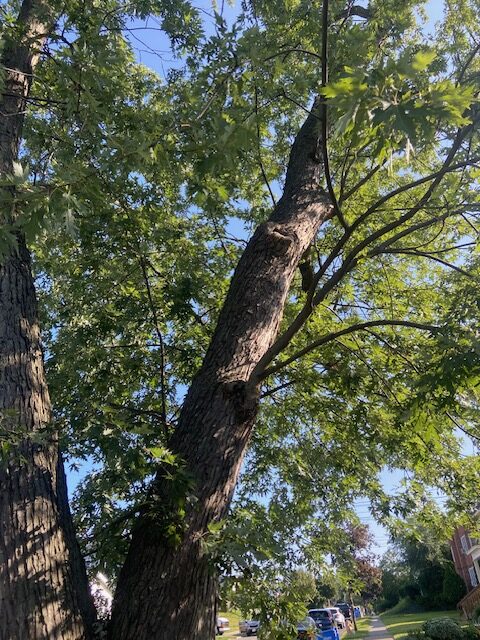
(400, 624)
(363, 625)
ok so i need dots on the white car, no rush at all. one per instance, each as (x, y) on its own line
(338, 616)
(248, 627)
(222, 626)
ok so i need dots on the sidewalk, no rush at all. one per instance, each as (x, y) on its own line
(378, 631)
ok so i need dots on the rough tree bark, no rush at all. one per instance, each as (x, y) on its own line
(168, 589)
(43, 584)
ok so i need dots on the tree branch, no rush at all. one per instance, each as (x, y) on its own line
(361, 182)
(393, 349)
(270, 392)
(406, 232)
(162, 346)
(459, 426)
(446, 168)
(354, 10)
(136, 410)
(292, 50)
(324, 114)
(259, 150)
(426, 254)
(352, 258)
(467, 63)
(329, 337)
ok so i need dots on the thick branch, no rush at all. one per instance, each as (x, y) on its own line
(324, 111)
(354, 10)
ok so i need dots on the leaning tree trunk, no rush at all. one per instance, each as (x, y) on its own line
(43, 584)
(167, 587)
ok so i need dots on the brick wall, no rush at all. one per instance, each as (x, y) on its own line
(463, 561)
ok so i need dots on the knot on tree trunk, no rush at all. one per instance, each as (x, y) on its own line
(277, 240)
(244, 397)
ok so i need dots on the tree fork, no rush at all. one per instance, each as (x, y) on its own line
(43, 584)
(167, 589)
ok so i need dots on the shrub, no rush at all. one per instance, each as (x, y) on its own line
(442, 629)
(471, 633)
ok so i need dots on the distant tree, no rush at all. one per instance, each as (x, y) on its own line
(370, 577)
(423, 572)
(326, 591)
(453, 588)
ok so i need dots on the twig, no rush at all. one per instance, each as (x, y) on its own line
(394, 349)
(426, 254)
(262, 168)
(465, 431)
(354, 10)
(270, 392)
(361, 182)
(292, 50)
(162, 346)
(136, 410)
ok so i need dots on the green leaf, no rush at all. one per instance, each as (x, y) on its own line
(423, 59)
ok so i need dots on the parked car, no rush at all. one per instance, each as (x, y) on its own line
(338, 616)
(306, 629)
(222, 625)
(249, 627)
(345, 609)
(323, 618)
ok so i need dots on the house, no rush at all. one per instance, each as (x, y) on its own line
(466, 558)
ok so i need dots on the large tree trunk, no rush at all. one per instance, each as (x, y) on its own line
(167, 588)
(43, 584)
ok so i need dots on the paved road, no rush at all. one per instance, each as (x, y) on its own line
(236, 634)
(378, 631)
